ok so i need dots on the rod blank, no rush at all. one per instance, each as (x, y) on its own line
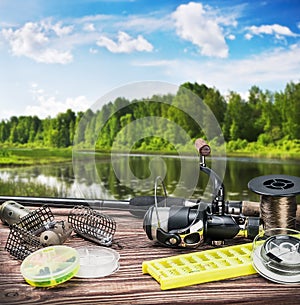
(137, 206)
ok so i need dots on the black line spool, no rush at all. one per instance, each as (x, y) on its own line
(278, 204)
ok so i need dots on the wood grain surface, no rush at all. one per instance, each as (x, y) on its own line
(128, 285)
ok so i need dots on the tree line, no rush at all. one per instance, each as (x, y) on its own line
(265, 117)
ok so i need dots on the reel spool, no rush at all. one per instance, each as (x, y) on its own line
(174, 226)
(276, 255)
(278, 204)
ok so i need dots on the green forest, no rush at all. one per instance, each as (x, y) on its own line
(266, 121)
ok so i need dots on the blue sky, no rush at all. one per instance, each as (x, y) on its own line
(60, 54)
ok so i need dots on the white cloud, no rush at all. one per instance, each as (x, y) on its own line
(277, 30)
(89, 27)
(125, 43)
(248, 36)
(57, 28)
(8, 113)
(231, 37)
(33, 41)
(265, 70)
(196, 25)
(51, 105)
(53, 42)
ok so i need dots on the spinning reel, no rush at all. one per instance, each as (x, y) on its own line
(197, 222)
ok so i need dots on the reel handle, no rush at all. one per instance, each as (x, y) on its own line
(202, 147)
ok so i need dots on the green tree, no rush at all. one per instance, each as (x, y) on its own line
(265, 117)
(237, 121)
(200, 90)
(35, 129)
(184, 102)
(217, 104)
(288, 104)
(82, 128)
(4, 131)
(259, 111)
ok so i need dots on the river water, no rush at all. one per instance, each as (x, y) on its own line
(125, 177)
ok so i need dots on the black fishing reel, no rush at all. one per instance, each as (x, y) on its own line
(197, 222)
(189, 227)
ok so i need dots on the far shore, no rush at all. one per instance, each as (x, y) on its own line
(40, 156)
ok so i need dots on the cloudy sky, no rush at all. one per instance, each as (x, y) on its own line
(62, 54)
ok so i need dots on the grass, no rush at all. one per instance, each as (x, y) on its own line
(283, 149)
(34, 156)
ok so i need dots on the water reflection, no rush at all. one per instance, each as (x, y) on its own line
(104, 182)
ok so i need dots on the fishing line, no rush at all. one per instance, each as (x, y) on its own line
(278, 212)
(278, 204)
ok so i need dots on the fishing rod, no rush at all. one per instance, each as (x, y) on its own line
(137, 206)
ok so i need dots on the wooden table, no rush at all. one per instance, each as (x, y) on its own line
(128, 285)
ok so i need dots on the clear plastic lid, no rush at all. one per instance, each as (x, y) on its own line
(50, 266)
(276, 255)
(97, 262)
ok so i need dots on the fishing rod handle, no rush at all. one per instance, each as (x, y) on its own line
(250, 208)
(138, 206)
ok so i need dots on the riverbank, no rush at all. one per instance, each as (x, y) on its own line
(282, 149)
(32, 156)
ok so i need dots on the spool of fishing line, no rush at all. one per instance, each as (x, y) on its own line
(278, 203)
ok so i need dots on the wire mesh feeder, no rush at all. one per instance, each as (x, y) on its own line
(36, 219)
(92, 225)
(20, 243)
(21, 240)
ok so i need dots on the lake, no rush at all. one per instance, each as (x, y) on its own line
(125, 177)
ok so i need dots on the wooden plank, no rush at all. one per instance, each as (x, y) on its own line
(128, 285)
